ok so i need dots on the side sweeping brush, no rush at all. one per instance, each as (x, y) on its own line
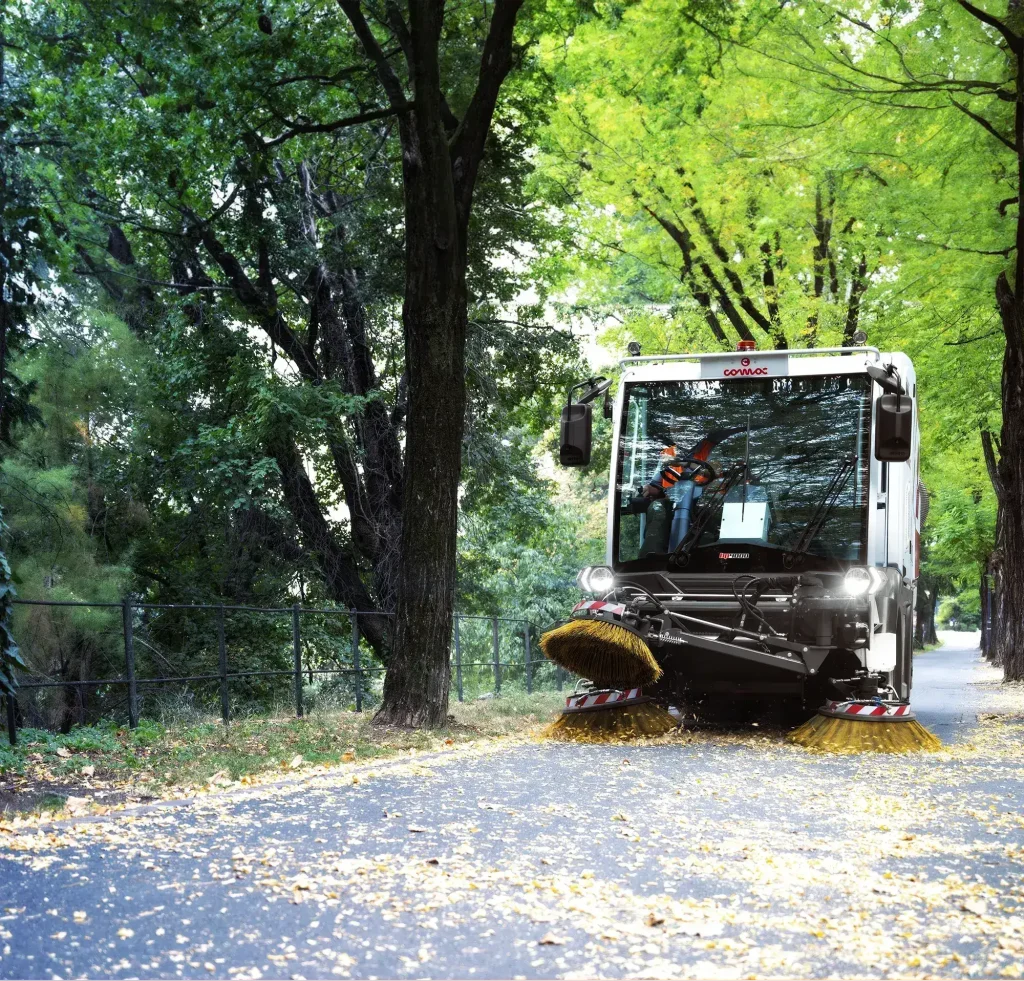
(865, 727)
(609, 655)
(627, 718)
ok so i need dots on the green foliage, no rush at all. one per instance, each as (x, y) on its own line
(533, 575)
(960, 612)
(188, 135)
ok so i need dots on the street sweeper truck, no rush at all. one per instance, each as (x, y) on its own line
(763, 545)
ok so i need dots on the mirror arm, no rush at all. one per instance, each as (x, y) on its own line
(597, 387)
(884, 378)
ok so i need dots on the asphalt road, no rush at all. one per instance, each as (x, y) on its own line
(707, 856)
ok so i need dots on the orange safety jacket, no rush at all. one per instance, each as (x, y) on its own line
(669, 474)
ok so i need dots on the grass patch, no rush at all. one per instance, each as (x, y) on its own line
(110, 764)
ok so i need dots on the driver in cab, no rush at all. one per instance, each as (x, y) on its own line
(673, 466)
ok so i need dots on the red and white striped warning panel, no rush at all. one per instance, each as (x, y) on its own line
(597, 606)
(869, 711)
(597, 699)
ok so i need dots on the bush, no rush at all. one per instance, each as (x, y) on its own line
(961, 612)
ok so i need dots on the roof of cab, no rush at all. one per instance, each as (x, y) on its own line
(728, 364)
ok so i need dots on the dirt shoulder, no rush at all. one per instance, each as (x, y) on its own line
(102, 766)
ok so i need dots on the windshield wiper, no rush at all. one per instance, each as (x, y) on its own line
(704, 516)
(825, 505)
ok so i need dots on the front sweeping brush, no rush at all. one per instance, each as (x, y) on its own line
(608, 654)
(865, 727)
(610, 717)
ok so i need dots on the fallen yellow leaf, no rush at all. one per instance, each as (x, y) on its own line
(551, 940)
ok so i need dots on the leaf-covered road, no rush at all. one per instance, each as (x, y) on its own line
(704, 856)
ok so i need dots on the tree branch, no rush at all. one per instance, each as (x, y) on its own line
(990, 462)
(467, 145)
(388, 79)
(680, 234)
(397, 23)
(262, 308)
(857, 288)
(1015, 41)
(298, 129)
(771, 291)
(973, 340)
(723, 257)
(984, 124)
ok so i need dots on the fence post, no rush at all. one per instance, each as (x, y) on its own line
(497, 657)
(526, 657)
(222, 665)
(297, 654)
(129, 662)
(355, 661)
(458, 659)
(558, 676)
(12, 718)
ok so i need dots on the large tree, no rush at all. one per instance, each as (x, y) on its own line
(245, 197)
(441, 158)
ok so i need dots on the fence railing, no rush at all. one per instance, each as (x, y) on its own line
(506, 643)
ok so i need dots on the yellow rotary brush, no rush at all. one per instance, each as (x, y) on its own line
(865, 727)
(610, 717)
(605, 653)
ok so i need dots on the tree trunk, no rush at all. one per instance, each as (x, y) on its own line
(1009, 476)
(441, 157)
(418, 677)
(997, 606)
(434, 317)
(931, 635)
(924, 612)
(985, 599)
(1011, 640)
(998, 618)
(1009, 649)
(1005, 458)
(341, 575)
(920, 614)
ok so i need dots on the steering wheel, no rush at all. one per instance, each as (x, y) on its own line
(700, 468)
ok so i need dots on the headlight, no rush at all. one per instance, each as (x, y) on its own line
(596, 579)
(861, 582)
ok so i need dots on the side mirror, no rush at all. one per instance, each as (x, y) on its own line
(894, 428)
(576, 435)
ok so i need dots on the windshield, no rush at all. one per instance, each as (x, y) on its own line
(743, 462)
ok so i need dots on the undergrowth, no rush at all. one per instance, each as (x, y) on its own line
(156, 758)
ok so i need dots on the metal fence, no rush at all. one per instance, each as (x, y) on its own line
(141, 644)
